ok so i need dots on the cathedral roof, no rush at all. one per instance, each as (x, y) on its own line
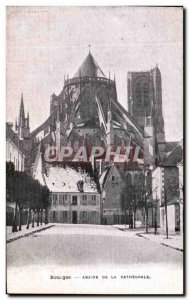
(89, 68)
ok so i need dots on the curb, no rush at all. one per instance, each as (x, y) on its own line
(178, 249)
(119, 228)
(175, 248)
(125, 229)
(28, 234)
(140, 235)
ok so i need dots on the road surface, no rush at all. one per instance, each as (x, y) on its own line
(91, 258)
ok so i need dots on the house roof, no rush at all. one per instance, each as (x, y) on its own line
(89, 68)
(175, 156)
(13, 136)
(106, 174)
(174, 200)
(64, 176)
(169, 146)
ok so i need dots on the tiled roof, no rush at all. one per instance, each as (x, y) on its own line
(104, 176)
(64, 176)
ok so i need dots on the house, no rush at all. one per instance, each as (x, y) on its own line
(14, 148)
(167, 179)
(111, 185)
(75, 191)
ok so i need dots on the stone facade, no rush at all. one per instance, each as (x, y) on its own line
(75, 208)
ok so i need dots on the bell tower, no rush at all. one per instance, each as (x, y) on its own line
(145, 106)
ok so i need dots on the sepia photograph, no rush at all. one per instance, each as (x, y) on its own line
(94, 150)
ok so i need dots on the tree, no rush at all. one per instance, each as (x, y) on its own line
(126, 204)
(137, 194)
(45, 201)
(26, 193)
(126, 201)
(131, 197)
(11, 190)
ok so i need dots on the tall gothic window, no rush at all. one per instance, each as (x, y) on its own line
(141, 179)
(103, 97)
(129, 179)
(146, 91)
(88, 108)
(138, 91)
(142, 91)
(149, 180)
(136, 179)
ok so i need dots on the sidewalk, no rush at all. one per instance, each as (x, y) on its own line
(128, 230)
(12, 236)
(174, 241)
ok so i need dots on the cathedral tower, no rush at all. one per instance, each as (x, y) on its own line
(145, 105)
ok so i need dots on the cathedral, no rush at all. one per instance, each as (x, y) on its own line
(87, 113)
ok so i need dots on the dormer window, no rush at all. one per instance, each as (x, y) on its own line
(80, 184)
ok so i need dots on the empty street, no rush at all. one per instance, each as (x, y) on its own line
(64, 257)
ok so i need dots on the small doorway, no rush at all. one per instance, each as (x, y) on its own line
(74, 217)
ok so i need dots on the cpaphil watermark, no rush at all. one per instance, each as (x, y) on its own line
(111, 153)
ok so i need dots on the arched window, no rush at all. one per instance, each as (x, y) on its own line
(88, 105)
(146, 91)
(129, 179)
(103, 97)
(88, 108)
(149, 180)
(142, 90)
(138, 91)
(97, 141)
(141, 179)
(136, 179)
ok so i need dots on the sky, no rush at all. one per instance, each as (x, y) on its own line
(46, 43)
